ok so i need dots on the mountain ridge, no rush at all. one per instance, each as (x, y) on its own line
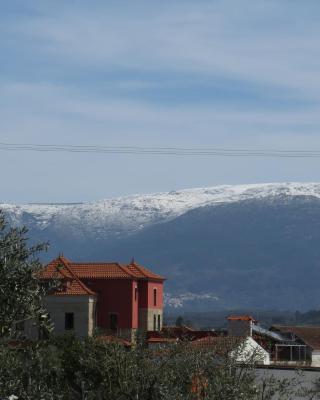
(220, 247)
(149, 208)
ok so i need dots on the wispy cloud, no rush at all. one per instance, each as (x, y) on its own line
(185, 73)
(260, 42)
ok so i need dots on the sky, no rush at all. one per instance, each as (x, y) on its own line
(232, 74)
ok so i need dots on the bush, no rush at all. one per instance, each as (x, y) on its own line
(69, 369)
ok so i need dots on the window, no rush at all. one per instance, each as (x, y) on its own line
(159, 322)
(114, 322)
(136, 293)
(69, 321)
(154, 296)
(154, 322)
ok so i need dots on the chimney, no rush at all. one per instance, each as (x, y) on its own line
(240, 325)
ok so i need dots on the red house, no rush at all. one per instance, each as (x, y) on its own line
(118, 299)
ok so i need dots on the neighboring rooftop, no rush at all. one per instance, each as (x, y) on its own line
(310, 335)
(241, 318)
(220, 344)
(110, 339)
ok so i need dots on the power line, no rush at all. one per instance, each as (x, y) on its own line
(165, 151)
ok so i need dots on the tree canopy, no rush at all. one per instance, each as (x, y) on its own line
(20, 290)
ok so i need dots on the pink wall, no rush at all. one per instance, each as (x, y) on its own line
(115, 296)
(146, 299)
(135, 304)
(118, 296)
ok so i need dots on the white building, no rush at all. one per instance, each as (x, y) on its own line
(240, 349)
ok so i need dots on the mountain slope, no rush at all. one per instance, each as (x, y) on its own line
(124, 215)
(227, 246)
(253, 253)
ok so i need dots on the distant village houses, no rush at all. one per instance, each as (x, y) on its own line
(118, 301)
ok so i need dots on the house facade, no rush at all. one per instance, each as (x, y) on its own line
(114, 298)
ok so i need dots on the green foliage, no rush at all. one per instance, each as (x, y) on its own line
(34, 372)
(20, 292)
(66, 368)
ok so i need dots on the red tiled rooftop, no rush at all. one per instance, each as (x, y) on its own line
(56, 269)
(241, 318)
(114, 340)
(73, 287)
(142, 272)
(162, 340)
(220, 344)
(70, 284)
(97, 270)
(181, 333)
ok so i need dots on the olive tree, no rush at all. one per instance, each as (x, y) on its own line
(20, 291)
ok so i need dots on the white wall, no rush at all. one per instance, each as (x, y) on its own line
(81, 306)
(250, 351)
(315, 358)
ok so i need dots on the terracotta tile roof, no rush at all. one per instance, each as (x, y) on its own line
(309, 334)
(241, 318)
(70, 284)
(180, 333)
(56, 269)
(114, 339)
(100, 270)
(162, 340)
(96, 270)
(142, 272)
(221, 344)
(73, 287)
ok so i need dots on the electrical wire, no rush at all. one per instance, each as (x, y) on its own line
(161, 151)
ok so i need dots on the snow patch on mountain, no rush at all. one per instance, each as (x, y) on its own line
(180, 300)
(128, 214)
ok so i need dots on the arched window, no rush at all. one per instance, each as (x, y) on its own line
(136, 293)
(154, 296)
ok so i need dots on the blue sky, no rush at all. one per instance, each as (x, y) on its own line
(236, 74)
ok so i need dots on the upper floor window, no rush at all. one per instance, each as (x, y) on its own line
(154, 296)
(136, 293)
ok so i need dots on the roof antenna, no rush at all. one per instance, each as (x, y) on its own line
(132, 261)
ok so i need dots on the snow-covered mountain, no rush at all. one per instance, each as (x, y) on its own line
(124, 215)
(220, 247)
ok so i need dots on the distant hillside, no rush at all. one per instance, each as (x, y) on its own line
(226, 247)
(253, 253)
